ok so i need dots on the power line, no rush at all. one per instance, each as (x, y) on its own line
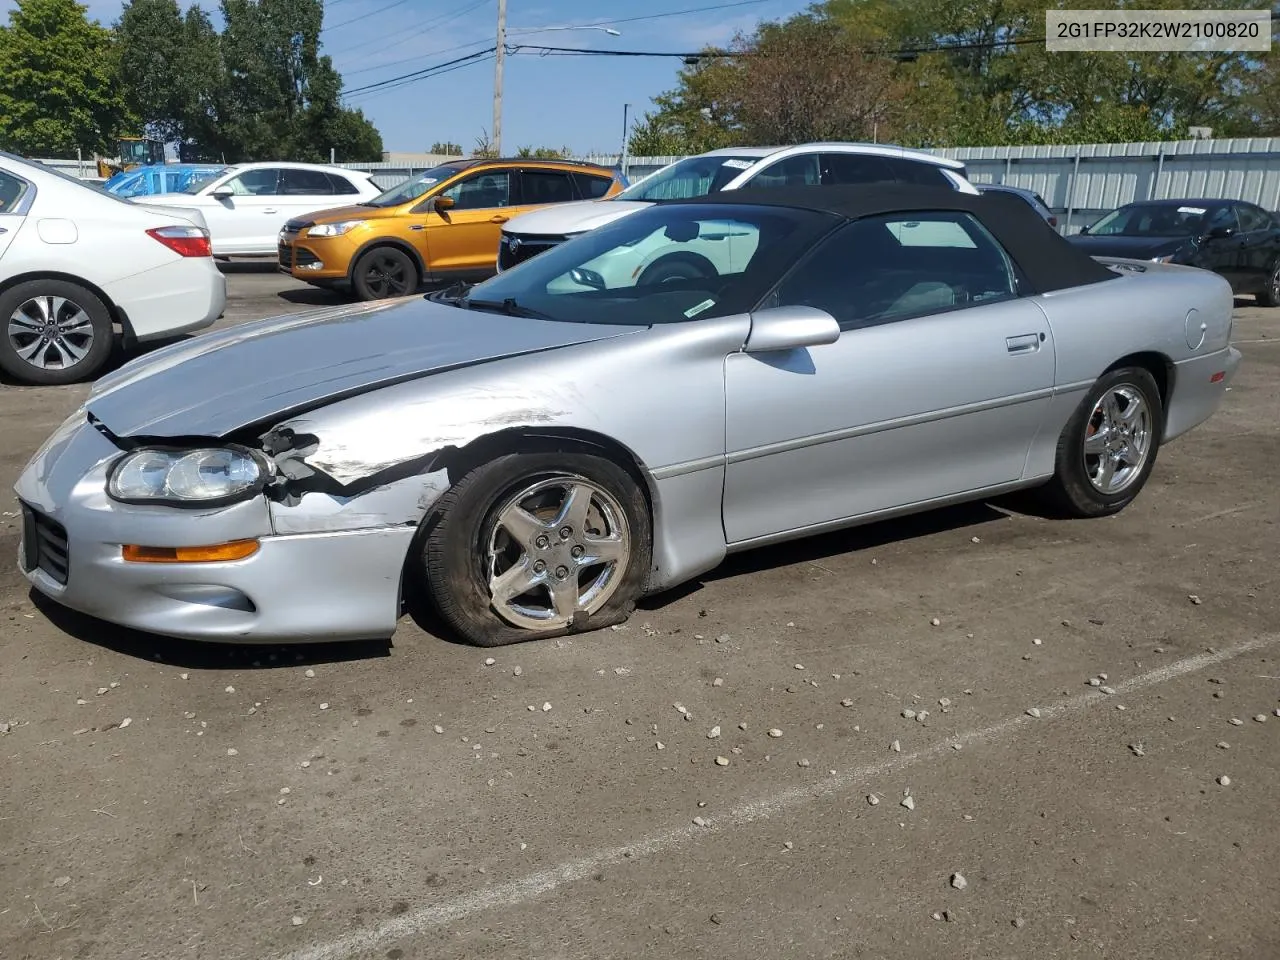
(419, 74)
(676, 13)
(423, 28)
(374, 94)
(366, 16)
(415, 59)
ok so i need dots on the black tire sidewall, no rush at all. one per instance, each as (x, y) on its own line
(87, 300)
(454, 544)
(1266, 297)
(681, 266)
(358, 272)
(1080, 496)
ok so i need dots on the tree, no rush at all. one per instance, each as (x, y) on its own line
(448, 148)
(545, 153)
(59, 82)
(168, 64)
(484, 148)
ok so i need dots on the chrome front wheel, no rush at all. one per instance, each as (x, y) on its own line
(557, 548)
(50, 333)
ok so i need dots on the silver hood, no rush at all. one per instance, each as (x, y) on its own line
(224, 381)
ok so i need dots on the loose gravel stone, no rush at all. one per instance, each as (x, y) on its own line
(517, 671)
(1224, 781)
(310, 674)
(1019, 923)
(802, 762)
(896, 746)
(944, 702)
(1236, 722)
(1137, 750)
(718, 682)
(799, 666)
(936, 622)
(1095, 682)
(1223, 745)
(438, 729)
(958, 881)
(1037, 641)
(231, 690)
(1260, 718)
(324, 706)
(125, 722)
(489, 661)
(872, 799)
(909, 803)
(546, 707)
(1194, 599)
(1034, 712)
(788, 845)
(232, 752)
(1109, 691)
(713, 733)
(298, 921)
(699, 822)
(775, 733)
(846, 702)
(722, 761)
(908, 714)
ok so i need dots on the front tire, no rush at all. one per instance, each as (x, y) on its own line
(1108, 448)
(56, 332)
(537, 545)
(384, 272)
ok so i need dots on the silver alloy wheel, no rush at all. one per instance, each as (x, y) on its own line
(558, 548)
(1117, 439)
(1273, 285)
(51, 333)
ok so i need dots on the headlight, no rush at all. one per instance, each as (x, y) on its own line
(1167, 258)
(203, 477)
(333, 229)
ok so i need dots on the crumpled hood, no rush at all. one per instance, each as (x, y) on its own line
(220, 382)
(557, 219)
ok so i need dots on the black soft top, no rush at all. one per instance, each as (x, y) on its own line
(1047, 259)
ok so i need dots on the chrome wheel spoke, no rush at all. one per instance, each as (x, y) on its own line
(1106, 472)
(76, 354)
(1096, 445)
(1133, 413)
(36, 353)
(20, 323)
(523, 526)
(78, 325)
(1117, 451)
(564, 597)
(513, 583)
(574, 509)
(603, 550)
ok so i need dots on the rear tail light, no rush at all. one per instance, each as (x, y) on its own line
(184, 241)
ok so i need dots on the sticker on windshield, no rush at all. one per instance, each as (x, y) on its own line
(428, 180)
(698, 308)
(738, 164)
(1198, 211)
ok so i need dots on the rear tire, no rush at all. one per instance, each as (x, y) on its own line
(1269, 296)
(384, 272)
(501, 528)
(1108, 448)
(55, 332)
(677, 266)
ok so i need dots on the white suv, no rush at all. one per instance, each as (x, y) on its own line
(247, 205)
(807, 164)
(75, 262)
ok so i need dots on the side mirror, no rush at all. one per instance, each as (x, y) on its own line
(1084, 230)
(790, 328)
(1220, 233)
(222, 193)
(441, 204)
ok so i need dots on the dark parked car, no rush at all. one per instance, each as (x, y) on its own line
(1238, 240)
(1034, 199)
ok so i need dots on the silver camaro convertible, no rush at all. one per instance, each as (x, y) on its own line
(613, 417)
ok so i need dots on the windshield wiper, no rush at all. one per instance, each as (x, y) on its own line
(509, 306)
(453, 293)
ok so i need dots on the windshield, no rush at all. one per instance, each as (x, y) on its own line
(668, 264)
(688, 179)
(1152, 220)
(412, 188)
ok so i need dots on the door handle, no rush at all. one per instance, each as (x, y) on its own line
(4, 229)
(499, 219)
(1024, 343)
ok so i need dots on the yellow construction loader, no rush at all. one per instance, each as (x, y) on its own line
(132, 152)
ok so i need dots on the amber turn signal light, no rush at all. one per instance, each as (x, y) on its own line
(236, 550)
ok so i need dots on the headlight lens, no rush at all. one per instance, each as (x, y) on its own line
(333, 229)
(1167, 258)
(197, 477)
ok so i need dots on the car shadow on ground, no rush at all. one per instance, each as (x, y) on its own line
(202, 655)
(813, 550)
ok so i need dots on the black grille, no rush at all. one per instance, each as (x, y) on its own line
(295, 256)
(286, 256)
(44, 545)
(524, 248)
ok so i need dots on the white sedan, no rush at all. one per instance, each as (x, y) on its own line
(76, 262)
(247, 204)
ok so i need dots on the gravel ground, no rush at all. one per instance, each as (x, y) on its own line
(621, 794)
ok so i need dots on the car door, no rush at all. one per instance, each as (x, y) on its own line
(464, 238)
(1258, 246)
(15, 197)
(1224, 253)
(941, 377)
(244, 212)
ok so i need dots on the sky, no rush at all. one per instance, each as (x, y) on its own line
(554, 101)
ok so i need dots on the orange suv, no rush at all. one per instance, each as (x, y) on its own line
(441, 225)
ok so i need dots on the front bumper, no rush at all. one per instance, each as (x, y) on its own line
(333, 585)
(321, 258)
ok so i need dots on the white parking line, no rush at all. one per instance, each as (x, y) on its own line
(533, 885)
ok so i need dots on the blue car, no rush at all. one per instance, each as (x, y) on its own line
(160, 178)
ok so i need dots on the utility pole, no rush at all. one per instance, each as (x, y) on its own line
(622, 158)
(499, 56)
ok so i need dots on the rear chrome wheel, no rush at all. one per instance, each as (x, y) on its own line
(56, 332)
(1270, 295)
(538, 544)
(1108, 448)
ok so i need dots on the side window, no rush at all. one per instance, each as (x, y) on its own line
(489, 189)
(341, 185)
(881, 269)
(1222, 217)
(921, 174)
(798, 171)
(12, 191)
(852, 168)
(1252, 218)
(304, 183)
(262, 182)
(545, 186)
(590, 187)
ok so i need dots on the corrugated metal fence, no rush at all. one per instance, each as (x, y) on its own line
(1079, 182)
